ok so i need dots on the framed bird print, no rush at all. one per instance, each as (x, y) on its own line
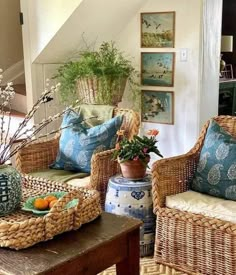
(157, 69)
(158, 29)
(158, 106)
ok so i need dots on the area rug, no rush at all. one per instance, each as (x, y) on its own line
(148, 267)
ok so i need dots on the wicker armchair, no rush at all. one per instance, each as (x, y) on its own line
(39, 155)
(193, 243)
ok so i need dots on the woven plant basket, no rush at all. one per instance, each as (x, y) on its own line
(23, 229)
(101, 90)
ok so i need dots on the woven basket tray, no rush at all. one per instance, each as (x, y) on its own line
(22, 229)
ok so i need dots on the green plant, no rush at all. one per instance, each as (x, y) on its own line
(106, 70)
(139, 148)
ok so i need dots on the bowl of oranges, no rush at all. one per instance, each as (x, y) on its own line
(42, 204)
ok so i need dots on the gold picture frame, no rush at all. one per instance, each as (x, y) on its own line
(157, 29)
(157, 69)
(158, 106)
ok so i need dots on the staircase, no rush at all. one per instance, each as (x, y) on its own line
(19, 103)
(15, 74)
(20, 89)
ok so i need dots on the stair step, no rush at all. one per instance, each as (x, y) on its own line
(15, 113)
(20, 89)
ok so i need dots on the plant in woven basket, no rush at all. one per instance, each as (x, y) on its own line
(97, 77)
(135, 153)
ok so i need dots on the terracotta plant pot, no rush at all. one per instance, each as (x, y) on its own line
(133, 169)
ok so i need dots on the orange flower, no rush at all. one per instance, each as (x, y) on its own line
(120, 132)
(117, 146)
(153, 132)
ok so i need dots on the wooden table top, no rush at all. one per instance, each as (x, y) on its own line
(44, 256)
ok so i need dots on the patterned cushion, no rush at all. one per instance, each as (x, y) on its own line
(78, 143)
(216, 170)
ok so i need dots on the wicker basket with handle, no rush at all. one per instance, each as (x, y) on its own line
(23, 229)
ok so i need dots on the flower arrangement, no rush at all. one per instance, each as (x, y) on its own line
(138, 148)
(26, 131)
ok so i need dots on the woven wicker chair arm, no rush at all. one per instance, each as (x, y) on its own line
(102, 168)
(198, 220)
(172, 176)
(37, 155)
(131, 121)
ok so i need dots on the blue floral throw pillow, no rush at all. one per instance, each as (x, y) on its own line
(78, 143)
(216, 170)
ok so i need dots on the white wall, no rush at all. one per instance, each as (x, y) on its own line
(46, 17)
(180, 137)
(91, 23)
(209, 91)
(42, 19)
(188, 79)
(11, 48)
(43, 72)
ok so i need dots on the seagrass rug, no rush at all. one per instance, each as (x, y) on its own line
(148, 267)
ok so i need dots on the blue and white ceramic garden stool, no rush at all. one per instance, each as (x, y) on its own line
(134, 198)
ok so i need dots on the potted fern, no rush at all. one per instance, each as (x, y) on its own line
(97, 77)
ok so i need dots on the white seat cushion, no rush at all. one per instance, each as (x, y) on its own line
(198, 203)
(84, 182)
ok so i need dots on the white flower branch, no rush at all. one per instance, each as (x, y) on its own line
(28, 140)
(7, 144)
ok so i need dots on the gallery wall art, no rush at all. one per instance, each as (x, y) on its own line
(158, 106)
(157, 69)
(158, 29)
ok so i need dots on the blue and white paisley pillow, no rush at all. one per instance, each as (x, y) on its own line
(216, 170)
(78, 143)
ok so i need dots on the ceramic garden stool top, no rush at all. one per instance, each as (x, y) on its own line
(134, 198)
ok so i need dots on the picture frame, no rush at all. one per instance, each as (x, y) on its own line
(157, 69)
(158, 106)
(157, 29)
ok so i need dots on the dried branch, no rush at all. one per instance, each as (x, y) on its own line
(28, 135)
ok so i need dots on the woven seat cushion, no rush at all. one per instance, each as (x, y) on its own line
(76, 179)
(206, 205)
(216, 170)
(78, 143)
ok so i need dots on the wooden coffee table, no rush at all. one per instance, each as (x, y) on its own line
(108, 240)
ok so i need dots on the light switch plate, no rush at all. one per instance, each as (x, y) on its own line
(183, 55)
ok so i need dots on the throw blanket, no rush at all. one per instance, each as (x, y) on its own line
(103, 113)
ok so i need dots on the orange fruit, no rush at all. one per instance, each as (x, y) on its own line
(52, 203)
(50, 198)
(41, 204)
